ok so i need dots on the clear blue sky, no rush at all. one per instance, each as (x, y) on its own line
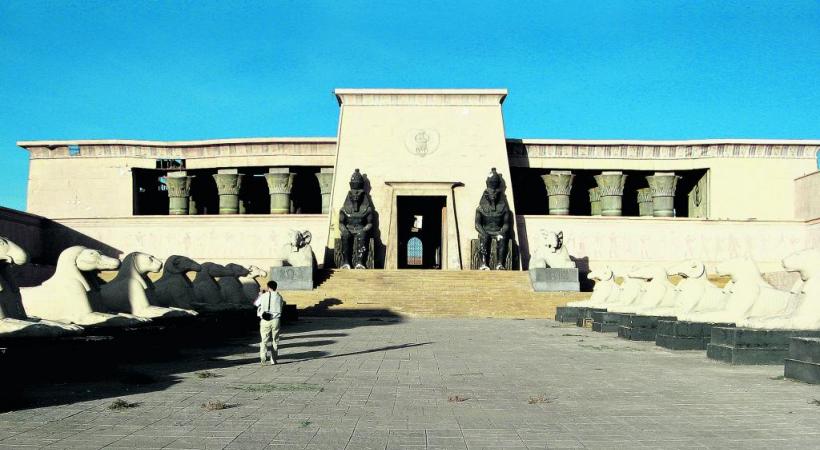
(170, 70)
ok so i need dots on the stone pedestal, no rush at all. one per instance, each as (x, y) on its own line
(803, 360)
(325, 177)
(682, 335)
(228, 182)
(611, 188)
(585, 318)
(662, 186)
(280, 182)
(179, 191)
(752, 346)
(559, 185)
(594, 202)
(641, 328)
(567, 314)
(511, 263)
(289, 278)
(607, 322)
(645, 202)
(555, 280)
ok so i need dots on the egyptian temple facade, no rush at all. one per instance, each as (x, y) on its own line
(425, 155)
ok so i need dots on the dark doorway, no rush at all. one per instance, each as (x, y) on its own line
(420, 231)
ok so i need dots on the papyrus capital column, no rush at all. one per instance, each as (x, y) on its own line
(663, 185)
(325, 177)
(280, 183)
(645, 202)
(594, 201)
(611, 187)
(179, 191)
(559, 185)
(228, 183)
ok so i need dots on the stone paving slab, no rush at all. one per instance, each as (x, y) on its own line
(426, 383)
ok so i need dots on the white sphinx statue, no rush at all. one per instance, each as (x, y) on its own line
(657, 293)
(551, 253)
(605, 291)
(231, 288)
(293, 249)
(14, 322)
(174, 288)
(206, 288)
(71, 295)
(694, 292)
(804, 313)
(131, 291)
(250, 284)
(629, 292)
(747, 295)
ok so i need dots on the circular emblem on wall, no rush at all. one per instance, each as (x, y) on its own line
(421, 141)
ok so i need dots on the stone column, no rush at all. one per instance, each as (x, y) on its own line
(611, 187)
(228, 182)
(645, 202)
(662, 185)
(595, 202)
(325, 177)
(559, 184)
(280, 183)
(179, 191)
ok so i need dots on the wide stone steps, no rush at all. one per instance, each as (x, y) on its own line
(428, 293)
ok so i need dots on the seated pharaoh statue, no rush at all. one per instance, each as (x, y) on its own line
(206, 289)
(493, 221)
(174, 288)
(72, 294)
(747, 295)
(231, 288)
(14, 322)
(804, 314)
(131, 291)
(605, 291)
(552, 253)
(356, 224)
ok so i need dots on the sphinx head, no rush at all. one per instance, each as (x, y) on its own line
(236, 270)
(181, 264)
(90, 259)
(144, 262)
(256, 272)
(11, 252)
(216, 270)
(648, 273)
(604, 274)
(552, 240)
(298, 239)
(688, 269)
(807, 262)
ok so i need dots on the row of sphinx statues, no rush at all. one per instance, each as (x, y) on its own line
(747, 299)
(76, 297)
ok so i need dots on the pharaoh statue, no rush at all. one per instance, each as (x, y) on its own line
(493, 221)
(13, 318)
(355, 224)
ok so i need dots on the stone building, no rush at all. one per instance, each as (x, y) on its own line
(426, 155)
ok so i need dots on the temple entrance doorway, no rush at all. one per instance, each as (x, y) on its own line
(420, 231)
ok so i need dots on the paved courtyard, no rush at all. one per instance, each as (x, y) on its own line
(424, 383)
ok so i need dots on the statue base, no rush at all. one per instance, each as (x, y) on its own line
(290, 278)
(803, 360)
(567, 314)
(585, 316)
(640, 328)
(752, 346)
(338, 256)
(683, 335)
(555, 280)
(510, 263)
(607, 322)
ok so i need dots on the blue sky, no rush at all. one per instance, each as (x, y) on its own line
(169, 70)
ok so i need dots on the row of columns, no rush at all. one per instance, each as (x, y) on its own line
(658, 199)
(228, 184)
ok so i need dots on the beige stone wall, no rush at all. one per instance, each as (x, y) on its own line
(622, 242)
(23, 229)
(747, 179)
(807, 197)
(222, 239)
(465, 133)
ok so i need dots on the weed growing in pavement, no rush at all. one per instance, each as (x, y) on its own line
(457, 399)
(215, 405)
(207, 374)
(120, 404)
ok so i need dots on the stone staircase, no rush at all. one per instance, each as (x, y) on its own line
(428, 293)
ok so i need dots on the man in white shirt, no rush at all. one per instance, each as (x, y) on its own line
(269, 310)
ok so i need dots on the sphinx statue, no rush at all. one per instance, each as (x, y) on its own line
(174, 288)
(231, 289)
(493, 221)
(250, 284)
(804, 313)
(356, 224)
(206, 288)
(747, 295)
(14, 322)
(605, 291)
(629, 292)
(657, 293)
(72, 294)
(551, 253)
(694, 292)
(294, 250)
(131, 291)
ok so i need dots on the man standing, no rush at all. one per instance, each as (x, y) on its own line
(269, 310)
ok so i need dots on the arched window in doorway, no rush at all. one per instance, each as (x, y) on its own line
(415, 252)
